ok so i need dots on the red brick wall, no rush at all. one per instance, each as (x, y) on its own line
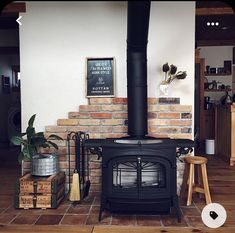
(106, 117)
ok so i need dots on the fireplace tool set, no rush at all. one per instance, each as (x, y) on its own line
(80, 179)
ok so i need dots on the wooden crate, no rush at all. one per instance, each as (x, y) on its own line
(42, 201)
(29, 184)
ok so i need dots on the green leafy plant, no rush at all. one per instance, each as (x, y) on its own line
(171, 75)
(32, 142)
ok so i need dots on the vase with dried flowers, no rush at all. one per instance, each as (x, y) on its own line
(170, 76)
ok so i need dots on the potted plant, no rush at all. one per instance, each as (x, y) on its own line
(32, 144)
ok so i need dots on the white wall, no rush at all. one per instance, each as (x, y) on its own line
(56, 37)
(172, 40)
(215, 57)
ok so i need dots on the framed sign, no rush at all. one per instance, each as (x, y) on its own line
(100, 81)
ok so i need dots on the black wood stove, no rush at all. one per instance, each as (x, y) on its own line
(138, 172)
(138, 175)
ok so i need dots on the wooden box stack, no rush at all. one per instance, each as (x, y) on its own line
(40, 192)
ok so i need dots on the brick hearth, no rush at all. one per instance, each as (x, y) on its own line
(107, 118)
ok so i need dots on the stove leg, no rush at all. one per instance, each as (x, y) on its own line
(100, 213)
(177, 208)
(101, 208)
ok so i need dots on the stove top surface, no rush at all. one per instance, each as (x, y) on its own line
(146, 141)
(137, 142)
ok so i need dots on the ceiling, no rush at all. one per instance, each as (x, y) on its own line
(212, 4)
(223, 34)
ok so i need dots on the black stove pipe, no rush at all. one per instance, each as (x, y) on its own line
(137, 39)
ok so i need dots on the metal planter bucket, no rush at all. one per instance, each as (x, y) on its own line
(44, 164)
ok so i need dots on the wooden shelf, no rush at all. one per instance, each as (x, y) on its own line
(224, 74)
(217, 90)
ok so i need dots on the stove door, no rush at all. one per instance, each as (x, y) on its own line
(142, 177)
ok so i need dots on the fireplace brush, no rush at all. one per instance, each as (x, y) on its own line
(74, 190)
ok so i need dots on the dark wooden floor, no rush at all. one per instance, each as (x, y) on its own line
(84, 217)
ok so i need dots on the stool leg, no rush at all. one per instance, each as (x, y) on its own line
(205, 184)
(199, 179)
(190, 185)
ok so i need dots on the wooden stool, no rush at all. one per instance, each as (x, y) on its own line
(200, 183)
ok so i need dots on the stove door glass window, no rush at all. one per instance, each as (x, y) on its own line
(125, 175)
(152, 175)
(138, 174)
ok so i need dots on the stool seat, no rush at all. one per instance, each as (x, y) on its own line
(195, 159)
(197, 183)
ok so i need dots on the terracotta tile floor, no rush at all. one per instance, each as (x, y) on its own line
(222, 186)
(86, 213)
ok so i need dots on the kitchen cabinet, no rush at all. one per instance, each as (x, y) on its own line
(217, 79)
(225, 133)
(205, 119)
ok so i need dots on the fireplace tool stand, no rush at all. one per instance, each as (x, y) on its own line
(81, 161)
